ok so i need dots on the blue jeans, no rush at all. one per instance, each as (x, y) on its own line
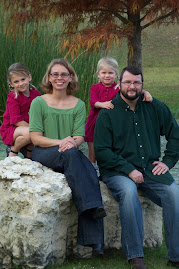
(84, 183)
(124, 191)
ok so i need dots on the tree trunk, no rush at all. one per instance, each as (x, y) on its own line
(134, 41)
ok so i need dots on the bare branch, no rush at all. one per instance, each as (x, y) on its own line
(158, 19)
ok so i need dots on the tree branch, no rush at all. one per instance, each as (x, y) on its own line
(123, 19)
(158, 19)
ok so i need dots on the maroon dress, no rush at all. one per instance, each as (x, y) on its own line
(17, 109)
(98, 93)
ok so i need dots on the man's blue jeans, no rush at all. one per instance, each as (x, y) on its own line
(84, 183)
(124, 191)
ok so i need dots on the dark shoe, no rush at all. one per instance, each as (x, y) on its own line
(97, 250)
(98, 213)
(8, 150)
(24, 151)
(137, 263)
(175, 264)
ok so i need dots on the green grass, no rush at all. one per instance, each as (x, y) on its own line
(154, 259)
(114, 259)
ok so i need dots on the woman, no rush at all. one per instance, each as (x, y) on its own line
(57, 121)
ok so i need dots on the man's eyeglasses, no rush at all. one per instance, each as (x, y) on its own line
(62, 75)
(135, 83)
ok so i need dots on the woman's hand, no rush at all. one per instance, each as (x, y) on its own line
(67, 143)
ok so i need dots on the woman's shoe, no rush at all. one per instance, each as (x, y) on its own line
(8, 150)
(97, 250)
(174, 264)
(98, 213)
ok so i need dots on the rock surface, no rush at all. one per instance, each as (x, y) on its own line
(38, 220)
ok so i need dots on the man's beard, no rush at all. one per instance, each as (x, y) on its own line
(125, 94)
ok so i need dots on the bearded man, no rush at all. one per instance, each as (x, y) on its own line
(127, 149)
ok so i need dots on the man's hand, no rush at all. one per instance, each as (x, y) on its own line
(160, 168)
(136, 176)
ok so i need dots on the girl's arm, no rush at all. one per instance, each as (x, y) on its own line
(147, 96)
(107, 105)
(14, 110)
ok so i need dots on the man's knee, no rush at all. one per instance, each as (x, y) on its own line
(122, 188)
(172, 192)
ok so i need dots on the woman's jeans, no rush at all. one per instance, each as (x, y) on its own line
(124, 191)
(84, 183)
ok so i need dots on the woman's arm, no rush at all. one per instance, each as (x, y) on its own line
(38, 139)
(68, 142)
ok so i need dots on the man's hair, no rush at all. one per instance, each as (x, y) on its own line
(133, 70)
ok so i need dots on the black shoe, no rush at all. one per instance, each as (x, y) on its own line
(8, 150)
(97, 250)
(24, 151)
(137, 263)
(174, 264)
(98, 213)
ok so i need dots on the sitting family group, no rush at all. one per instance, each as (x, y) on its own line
(122, 131)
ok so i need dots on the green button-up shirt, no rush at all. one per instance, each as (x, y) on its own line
(125, 140)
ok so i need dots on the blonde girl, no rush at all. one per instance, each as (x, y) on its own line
(101, 95)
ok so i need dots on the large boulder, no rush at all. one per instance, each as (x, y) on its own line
(38, 220)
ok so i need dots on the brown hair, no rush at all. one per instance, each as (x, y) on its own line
(73, 86)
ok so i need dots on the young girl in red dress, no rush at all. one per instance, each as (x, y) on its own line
(15, 127)
(101, 95)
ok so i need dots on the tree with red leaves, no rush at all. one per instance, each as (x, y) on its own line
(92, 25)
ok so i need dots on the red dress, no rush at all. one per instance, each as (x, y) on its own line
(17, 109)
(101, 93)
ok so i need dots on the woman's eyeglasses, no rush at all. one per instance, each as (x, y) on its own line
(62, 75)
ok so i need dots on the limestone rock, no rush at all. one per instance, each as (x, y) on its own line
(38, 220)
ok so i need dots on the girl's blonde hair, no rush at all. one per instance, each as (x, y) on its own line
(110, 62)
(73, 85)
(17, 69)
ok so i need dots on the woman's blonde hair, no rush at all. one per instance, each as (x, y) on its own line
(110, 62)
(73, 85)
(17, 69)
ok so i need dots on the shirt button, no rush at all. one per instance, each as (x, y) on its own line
(142, 158)
(138, 134)
(140, 146)
(136, 123)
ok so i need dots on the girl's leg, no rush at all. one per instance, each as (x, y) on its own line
(91, 154)
(21, 138)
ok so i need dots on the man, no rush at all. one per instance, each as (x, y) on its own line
(127, 148)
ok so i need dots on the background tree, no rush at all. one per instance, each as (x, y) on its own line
(91, 25)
